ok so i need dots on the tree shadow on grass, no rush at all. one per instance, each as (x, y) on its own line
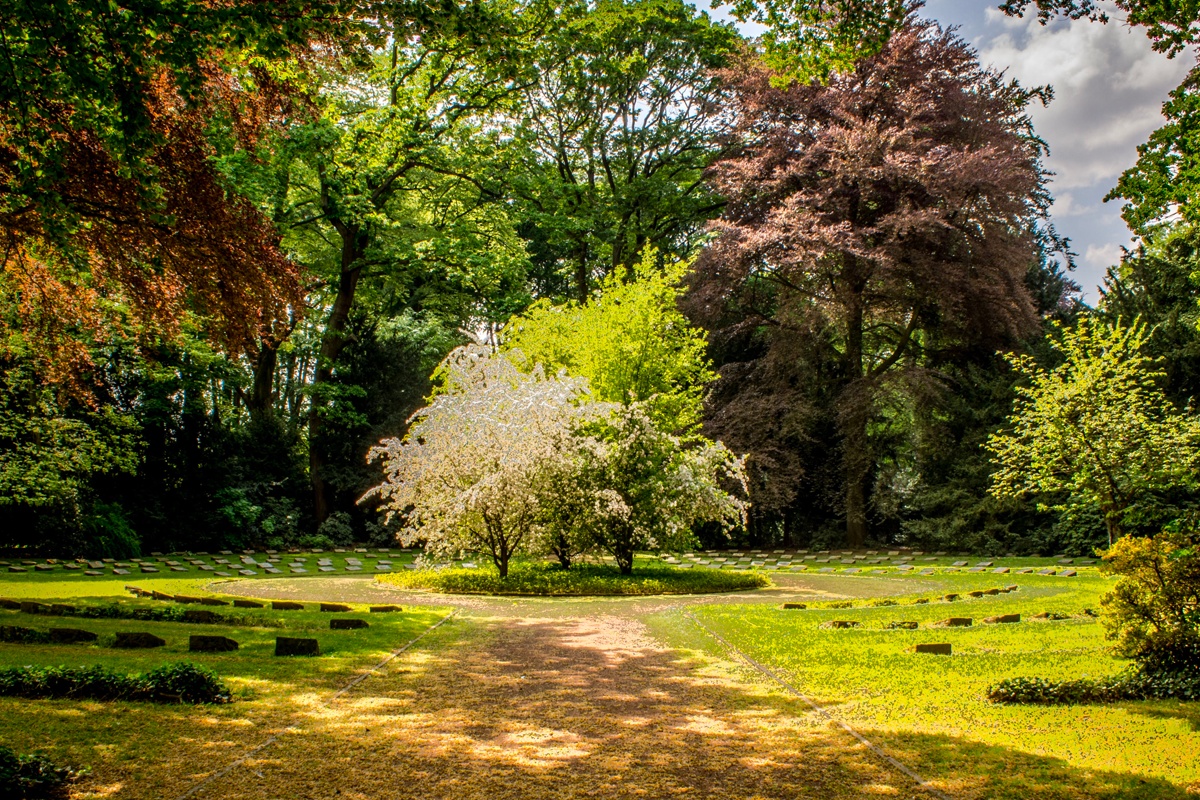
(1168, 709)
(536, 709)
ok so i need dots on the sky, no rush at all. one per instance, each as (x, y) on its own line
(1109, 86)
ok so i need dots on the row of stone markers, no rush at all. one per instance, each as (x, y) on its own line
(851, 563)
(226, 563)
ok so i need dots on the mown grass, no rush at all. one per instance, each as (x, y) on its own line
(541, 579)
(931, 711)
(146, 750)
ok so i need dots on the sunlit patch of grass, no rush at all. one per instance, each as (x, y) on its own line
(932, 710)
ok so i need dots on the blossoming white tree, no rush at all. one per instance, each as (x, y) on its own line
(505, 462)
(467, 475)
(649, 489)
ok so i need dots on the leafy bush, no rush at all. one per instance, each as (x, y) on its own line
(33, 777)
(173, 613)
(581, 579)
(1127, 686)
(182, 682)
(1152, 612)
(12, 633)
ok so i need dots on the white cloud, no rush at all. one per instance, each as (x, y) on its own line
(1101, 257)
(1109, 86)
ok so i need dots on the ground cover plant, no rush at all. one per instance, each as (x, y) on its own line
(539, 578)
(180, 682)
(933, 712)
(33, 777)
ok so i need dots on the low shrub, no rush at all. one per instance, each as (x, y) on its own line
(33, 777)
(172, 613)
(1126, 686)
(181, 682)
(1151, 612)
(840, 604)
(535, 578)
(17, 635)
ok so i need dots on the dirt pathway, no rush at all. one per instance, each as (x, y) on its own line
(533, 708)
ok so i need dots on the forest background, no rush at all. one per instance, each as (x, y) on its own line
(239, 238)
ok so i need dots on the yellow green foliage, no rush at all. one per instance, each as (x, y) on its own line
(630, 342)
(1153, 612)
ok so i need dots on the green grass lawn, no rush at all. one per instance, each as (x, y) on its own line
(156, 751)
(931, 711)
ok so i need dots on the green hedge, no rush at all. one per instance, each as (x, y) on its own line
(33, 777)
(538, 578)
(181, 682)
(1127, 686)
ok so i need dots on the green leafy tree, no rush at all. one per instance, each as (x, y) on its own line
(611, 142)
(808, 39)
(630, 342)
(1097, 426)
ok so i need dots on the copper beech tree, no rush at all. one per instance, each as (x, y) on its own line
(891, 207)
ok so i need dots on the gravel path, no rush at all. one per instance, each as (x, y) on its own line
(531, 708)
(571, 698)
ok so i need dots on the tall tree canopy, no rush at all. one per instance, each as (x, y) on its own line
(613, 138)
(890, 210)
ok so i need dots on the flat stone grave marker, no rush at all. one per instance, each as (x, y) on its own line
(954, 622)
(977, 569)
(799, 568)
(893, 552)
(17, 569)
(30, 607)
(179, 569)
(791, 606)
(1024, 571)
(273, 571)
(905, 567)
(220, 560)
(334, 608)
(851, 571)
(246, 572)
(93, 572)
(95, 565)
(926, 572)
(288, 646)
(344, 624)
(108, 560)
(939, 649)
(286, 605)
(1000, 571)
(840, 624)
(1068, 573)
(985, 564)
(976, 593)
(115, 571)
(223, 574)
(206, 568)
(246, 604)
(385, 609)
(70, 636)
(1002, 619)
(1066, 561)
(353, 568)
(326, 569)
(299, 571)
(1046, 572)
(827, 569)
(149, 569)
(138, 640)
(905, 625)
(1085, 561)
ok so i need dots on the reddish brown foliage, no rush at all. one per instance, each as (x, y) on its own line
(889, 209)
(184, 243)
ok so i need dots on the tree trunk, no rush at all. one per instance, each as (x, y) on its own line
(259, 402)
(855, 462)
(581, 275)
(331, 346)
